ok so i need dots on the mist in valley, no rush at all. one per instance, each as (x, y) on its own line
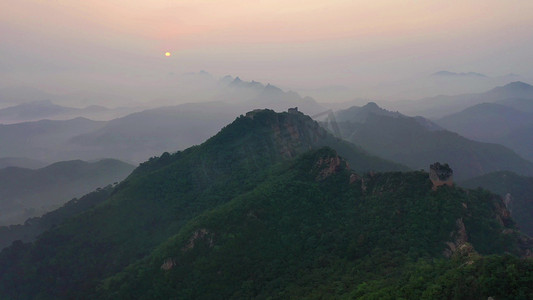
(260, 146)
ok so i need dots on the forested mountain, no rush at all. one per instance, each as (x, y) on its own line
(32, 227)
(417, 142)
(26, 193)
(263, 210)
(517, 192)
(137, 136)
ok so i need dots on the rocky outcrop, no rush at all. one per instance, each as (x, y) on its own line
(294, 132)
(440, 175)
(503, 215)
(354, 178)
(508, 201)
(328, 166)
(459, 236)
(199, 235)
(168, 264)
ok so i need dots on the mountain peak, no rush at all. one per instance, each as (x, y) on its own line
(288, 134)
(518, 85)
(272, 89)
(328, 163)
(361, 114)
(516, 89)
(371, 105)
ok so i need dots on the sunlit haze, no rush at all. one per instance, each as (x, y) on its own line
(373, 48)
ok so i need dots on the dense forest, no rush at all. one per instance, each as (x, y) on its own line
(264, 210)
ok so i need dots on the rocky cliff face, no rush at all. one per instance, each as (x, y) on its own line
(440, 175)
(328, 166)
(293, 132)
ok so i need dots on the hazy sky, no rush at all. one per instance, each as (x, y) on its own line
(66, 45)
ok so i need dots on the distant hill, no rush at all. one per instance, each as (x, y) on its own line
(521, 104)
(486, 121)
(249, 95)
(141, 135)
(517, 192)
(520, 140)
(34, 226)
(45, 140)
(262, 210)
(26, 193)
(417, 142)
(361, 114)
(496, 123)
(45, 109)
(138, 136)
(21, 162)
(440, 106)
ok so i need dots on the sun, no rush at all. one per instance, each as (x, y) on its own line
(167, 54)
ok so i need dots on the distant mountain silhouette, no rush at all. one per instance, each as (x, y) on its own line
(521, 104)
(263, 210)
(516, 89)
(440, 106)
(251, 95)
(138, 136)
(486, 121)
(45, 109)
(508, 122)
(21, 162)
(28, 193)
(417, 142)
(45, 140)
(520, 140)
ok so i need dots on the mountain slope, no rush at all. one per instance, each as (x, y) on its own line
(27, 193)
(45, 140)
(259, 210)
(45, 109)
(252, 94)
(416, 142)
(33, 227)
(21, 162)
(440, 106)
(141, 135)
(300, 234)
(520, 140)
(361, 114)
(517, 192)
(495, 123)
(486, 121)
(164, 193)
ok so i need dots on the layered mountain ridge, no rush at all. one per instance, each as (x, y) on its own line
(271, 206)
(418, 142)
(26, 193)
